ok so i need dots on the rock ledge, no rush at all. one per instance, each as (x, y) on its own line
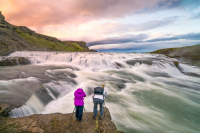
(54, 123)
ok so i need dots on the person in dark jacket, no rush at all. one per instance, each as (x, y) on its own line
(79, 103)
(98, 98)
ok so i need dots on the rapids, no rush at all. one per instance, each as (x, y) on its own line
(146, 93)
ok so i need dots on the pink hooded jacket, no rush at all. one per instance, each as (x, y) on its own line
(79, 94)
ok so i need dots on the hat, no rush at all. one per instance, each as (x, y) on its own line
(81, 87)
(102, 86)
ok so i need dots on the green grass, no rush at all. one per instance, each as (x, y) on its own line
(76, 47)
(40, 42)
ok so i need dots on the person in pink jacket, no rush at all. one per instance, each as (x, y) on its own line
(79, 103)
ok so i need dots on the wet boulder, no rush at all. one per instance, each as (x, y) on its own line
(120, 86)
(176, 63)
(13, 61)
(118, 65)
(5, 109)
(140, 61)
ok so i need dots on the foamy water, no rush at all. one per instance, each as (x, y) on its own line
(146, 93)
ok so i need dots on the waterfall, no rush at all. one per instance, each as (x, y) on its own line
(147, 93)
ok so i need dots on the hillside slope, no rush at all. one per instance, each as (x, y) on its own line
(189, 54)
(19, 38)
(189, 51)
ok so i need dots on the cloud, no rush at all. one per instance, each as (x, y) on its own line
(121, 28)
(189, 36)
(142, 38)
(180, 4)
(120, 40)
(195, 16)
(144, 46)
(49, 12)
(132, 47)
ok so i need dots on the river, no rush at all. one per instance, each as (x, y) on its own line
(147, 93)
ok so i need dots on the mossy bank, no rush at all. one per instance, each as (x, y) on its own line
(20, 38)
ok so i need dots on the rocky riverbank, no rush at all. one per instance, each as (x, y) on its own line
(189, 54)
(56, 123)
(19, 38)
(12, 61)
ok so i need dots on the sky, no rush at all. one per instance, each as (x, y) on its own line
(111, 25)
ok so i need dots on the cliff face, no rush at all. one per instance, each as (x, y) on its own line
(58, 123)
(19, 38)
(189, 54)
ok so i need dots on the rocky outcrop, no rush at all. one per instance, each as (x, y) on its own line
(3, 23)
(92, 50)
(58, 123)
(189, 51)
(80, 43)
(189, 54)
(19, 38)
(13, 61)
(3, 107)
(140, 61)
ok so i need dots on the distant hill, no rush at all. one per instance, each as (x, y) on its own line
(189, 54)
(19, 38)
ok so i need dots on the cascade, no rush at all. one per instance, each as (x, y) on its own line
(147, 92)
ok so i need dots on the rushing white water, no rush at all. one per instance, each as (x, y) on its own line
(146, 93)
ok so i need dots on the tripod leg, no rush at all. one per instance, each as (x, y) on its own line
(85, 113)
(72, 113)
(104, 109)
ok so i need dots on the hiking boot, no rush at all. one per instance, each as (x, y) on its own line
(80, 120)
(94, 118)
(77, 119)
(101, 117)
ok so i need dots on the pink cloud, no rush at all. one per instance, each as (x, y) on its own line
(50, 12)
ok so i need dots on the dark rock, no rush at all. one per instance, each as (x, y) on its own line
(92, 50)
(23, 61)
(3, 106)
(3, 23)
(89, 91)
(120, 86)
(118, 65)
(158, 74)
(140, 61)
(2, 18)
(191, 74)
(25, 30)
(5, 109)
(176, 63)
(195, 61)
(13, 61)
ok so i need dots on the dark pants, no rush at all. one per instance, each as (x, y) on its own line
(79, 112)
(98, 101)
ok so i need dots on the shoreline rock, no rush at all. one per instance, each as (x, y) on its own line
(13, 61)
(57, 122)
(188, 54)
(3, 108)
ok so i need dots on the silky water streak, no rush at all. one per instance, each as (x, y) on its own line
(146, 93)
